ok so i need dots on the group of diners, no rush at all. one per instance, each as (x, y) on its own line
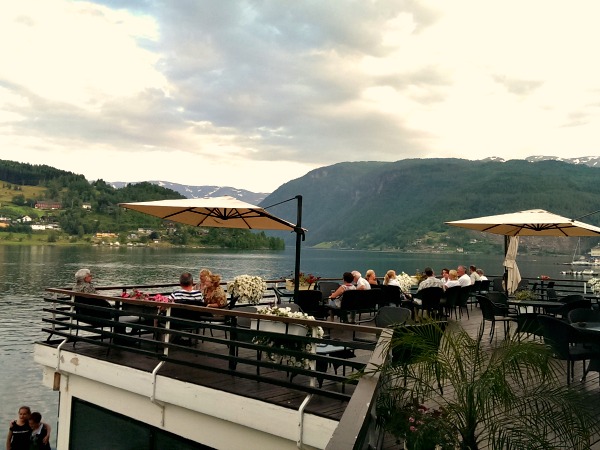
(450, 278)
(208, 291)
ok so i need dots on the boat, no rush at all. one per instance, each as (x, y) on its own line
(122, 377)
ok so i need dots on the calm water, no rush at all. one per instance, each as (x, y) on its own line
(26, 271)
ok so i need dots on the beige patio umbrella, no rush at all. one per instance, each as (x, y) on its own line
(534, 222)
(510, 263)
(224, 212)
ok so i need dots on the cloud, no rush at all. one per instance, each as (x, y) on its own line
(229, 86)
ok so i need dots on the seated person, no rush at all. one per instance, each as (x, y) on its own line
(463, 278)
(83, 282)
(473, 274)
(430, 281)
(372, 278)
(186, 292)
(359, 281)
(334, 298)
(214, 295)
(390, 278)
(482, 276)
(445, 275)
(204, 277)
(452, 279)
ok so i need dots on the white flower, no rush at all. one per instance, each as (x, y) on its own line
(247, 288)
(288, 359)
(595, 285)
(405, 281)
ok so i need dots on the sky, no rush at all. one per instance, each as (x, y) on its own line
(252, 94)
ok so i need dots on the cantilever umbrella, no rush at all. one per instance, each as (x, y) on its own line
(533, 222)
(221, 212)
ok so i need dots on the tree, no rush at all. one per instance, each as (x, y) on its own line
(19, 200)
(510, 397)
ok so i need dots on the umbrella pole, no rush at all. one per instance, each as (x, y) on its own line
(299, 238)
(505, 278)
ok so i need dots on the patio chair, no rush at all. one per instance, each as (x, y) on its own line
(571, 302)
(562, 338)
(311, 303)
(527, 323)
(430, 298)
(452, 299)
(326, 288)
(463, 300)
(583, 315)
(391, 316)
(494, 313)
(391, 295)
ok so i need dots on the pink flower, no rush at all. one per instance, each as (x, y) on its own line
(161, 298)
(124, 295)
(413, 429)
(411, 419)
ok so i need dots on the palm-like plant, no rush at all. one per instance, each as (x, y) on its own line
(509, 397)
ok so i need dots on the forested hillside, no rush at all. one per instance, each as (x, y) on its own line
(84, 209)
(404, 204)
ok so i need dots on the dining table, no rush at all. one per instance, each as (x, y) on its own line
(537, 305)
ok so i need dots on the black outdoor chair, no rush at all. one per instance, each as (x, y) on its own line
(563, 311)
(187, 320)
(388, 316)
(358, 302)
(311, 303)
(497, 284)
(583, 315)
(485, 287)
(563, 340)
(528, 324)
(430, 298)
(492, 312)
(452, 295)
(392, 295)
(327, 287)
(463, 300)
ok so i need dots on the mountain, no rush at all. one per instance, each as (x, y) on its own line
(254, 198)
(405, 204)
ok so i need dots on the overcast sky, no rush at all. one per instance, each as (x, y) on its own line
(252, 94)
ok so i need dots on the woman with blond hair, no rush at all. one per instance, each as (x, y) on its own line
(203, 280)
(215, 296)
(390, 279)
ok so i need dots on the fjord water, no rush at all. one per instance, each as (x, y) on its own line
(26, 271)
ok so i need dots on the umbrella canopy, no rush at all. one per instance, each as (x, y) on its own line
(222, 212)
(534, 222)
(513, 275)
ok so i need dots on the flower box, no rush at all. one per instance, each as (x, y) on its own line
(271, 326)
(289, 285)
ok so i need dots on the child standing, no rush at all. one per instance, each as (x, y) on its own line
(39, 433)
(19, 432)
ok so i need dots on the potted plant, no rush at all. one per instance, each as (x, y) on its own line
(307, 281)
(289, 329)
(508, 397)
(247, 288)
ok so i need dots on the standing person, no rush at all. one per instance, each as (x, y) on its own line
(214, 295)
(19, 432)
(186, 292)
(39, 433)
(463, 279)
(83, 282)
(359, 281)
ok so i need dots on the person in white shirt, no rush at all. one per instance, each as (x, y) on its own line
(482, 276)
(430, 281)
(463, 279)
(361, 283)
(452, 279)
(474, 275)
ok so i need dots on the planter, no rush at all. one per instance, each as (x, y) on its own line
(271, 326)
(289, 285)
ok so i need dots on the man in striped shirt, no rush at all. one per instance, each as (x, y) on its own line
(186, 293)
